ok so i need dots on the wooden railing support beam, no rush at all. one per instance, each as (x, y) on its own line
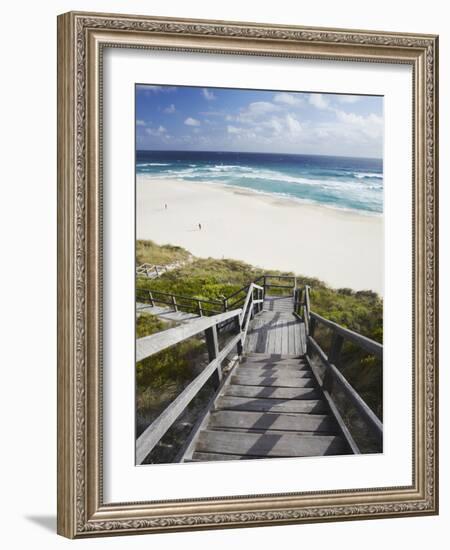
(212, 344)
(335, 350)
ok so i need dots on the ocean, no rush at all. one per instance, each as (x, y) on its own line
(336, 182)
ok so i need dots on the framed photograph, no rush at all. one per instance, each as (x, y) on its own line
(247, 276)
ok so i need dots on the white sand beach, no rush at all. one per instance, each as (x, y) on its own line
(344, 249)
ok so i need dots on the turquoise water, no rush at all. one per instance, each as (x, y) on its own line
(337, 182)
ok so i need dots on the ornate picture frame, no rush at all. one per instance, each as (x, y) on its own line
(82, 38)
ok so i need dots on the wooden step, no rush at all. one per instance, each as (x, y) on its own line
(265, 363)
(237, 390)
(277, 356)
(273, 381)
(256, 362)
(261, 432)
(271, 359)
(316, 406)
(271, 421)
(206, 457)
(274, 371)
(270, 445)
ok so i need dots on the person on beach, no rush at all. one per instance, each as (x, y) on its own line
(165, 206)
(199, 226)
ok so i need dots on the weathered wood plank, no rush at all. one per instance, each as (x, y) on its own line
(148, 345)
(279, 374)
(292, 343)
(269, 444)
(273, 381)
(206, 457)
(268, 364)
(236, 390)
(272, 421)
(284, 336)
(262, 360)
(274, 357)
(303, 338)
(273, 405)
(248, 368)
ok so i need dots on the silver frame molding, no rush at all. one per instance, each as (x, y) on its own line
(81, 38)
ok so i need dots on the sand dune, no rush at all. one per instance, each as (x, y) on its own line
(344, 249)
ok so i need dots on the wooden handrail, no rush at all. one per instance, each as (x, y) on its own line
(155, 431)
(179, 296)
(361, 341)
(243, 289)
(340, 334)
(149, 345)
(372, 421)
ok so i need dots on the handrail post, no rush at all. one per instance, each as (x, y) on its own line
(264, 285)
(298, 300)
(335, 351)
(156, 270)
(312, 326)
(225, 304)
(200, 310)
(150, 296)
(240, 348)
(252, 306)
(212, 343)
(174, 303)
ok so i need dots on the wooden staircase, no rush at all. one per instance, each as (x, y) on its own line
(271, 400)
(271, 406)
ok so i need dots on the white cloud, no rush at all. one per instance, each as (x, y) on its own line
(207, 94)
(348, 99)
(261, 107)
(255, 111)
(288, 99)
(233, 129)
(170, 109)
(370, 126)
(271, 131)
(156, 131)
(192, 121)
(319, 101)
(141, 123)
(293, 125)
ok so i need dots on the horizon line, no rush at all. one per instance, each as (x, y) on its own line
(253, 153)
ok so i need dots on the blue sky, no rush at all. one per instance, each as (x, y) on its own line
(225, 119)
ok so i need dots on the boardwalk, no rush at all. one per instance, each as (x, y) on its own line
(276, 330)
(271, 405)
(270, 399)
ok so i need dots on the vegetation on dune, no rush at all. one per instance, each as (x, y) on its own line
(151, 253)
(214, 279)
